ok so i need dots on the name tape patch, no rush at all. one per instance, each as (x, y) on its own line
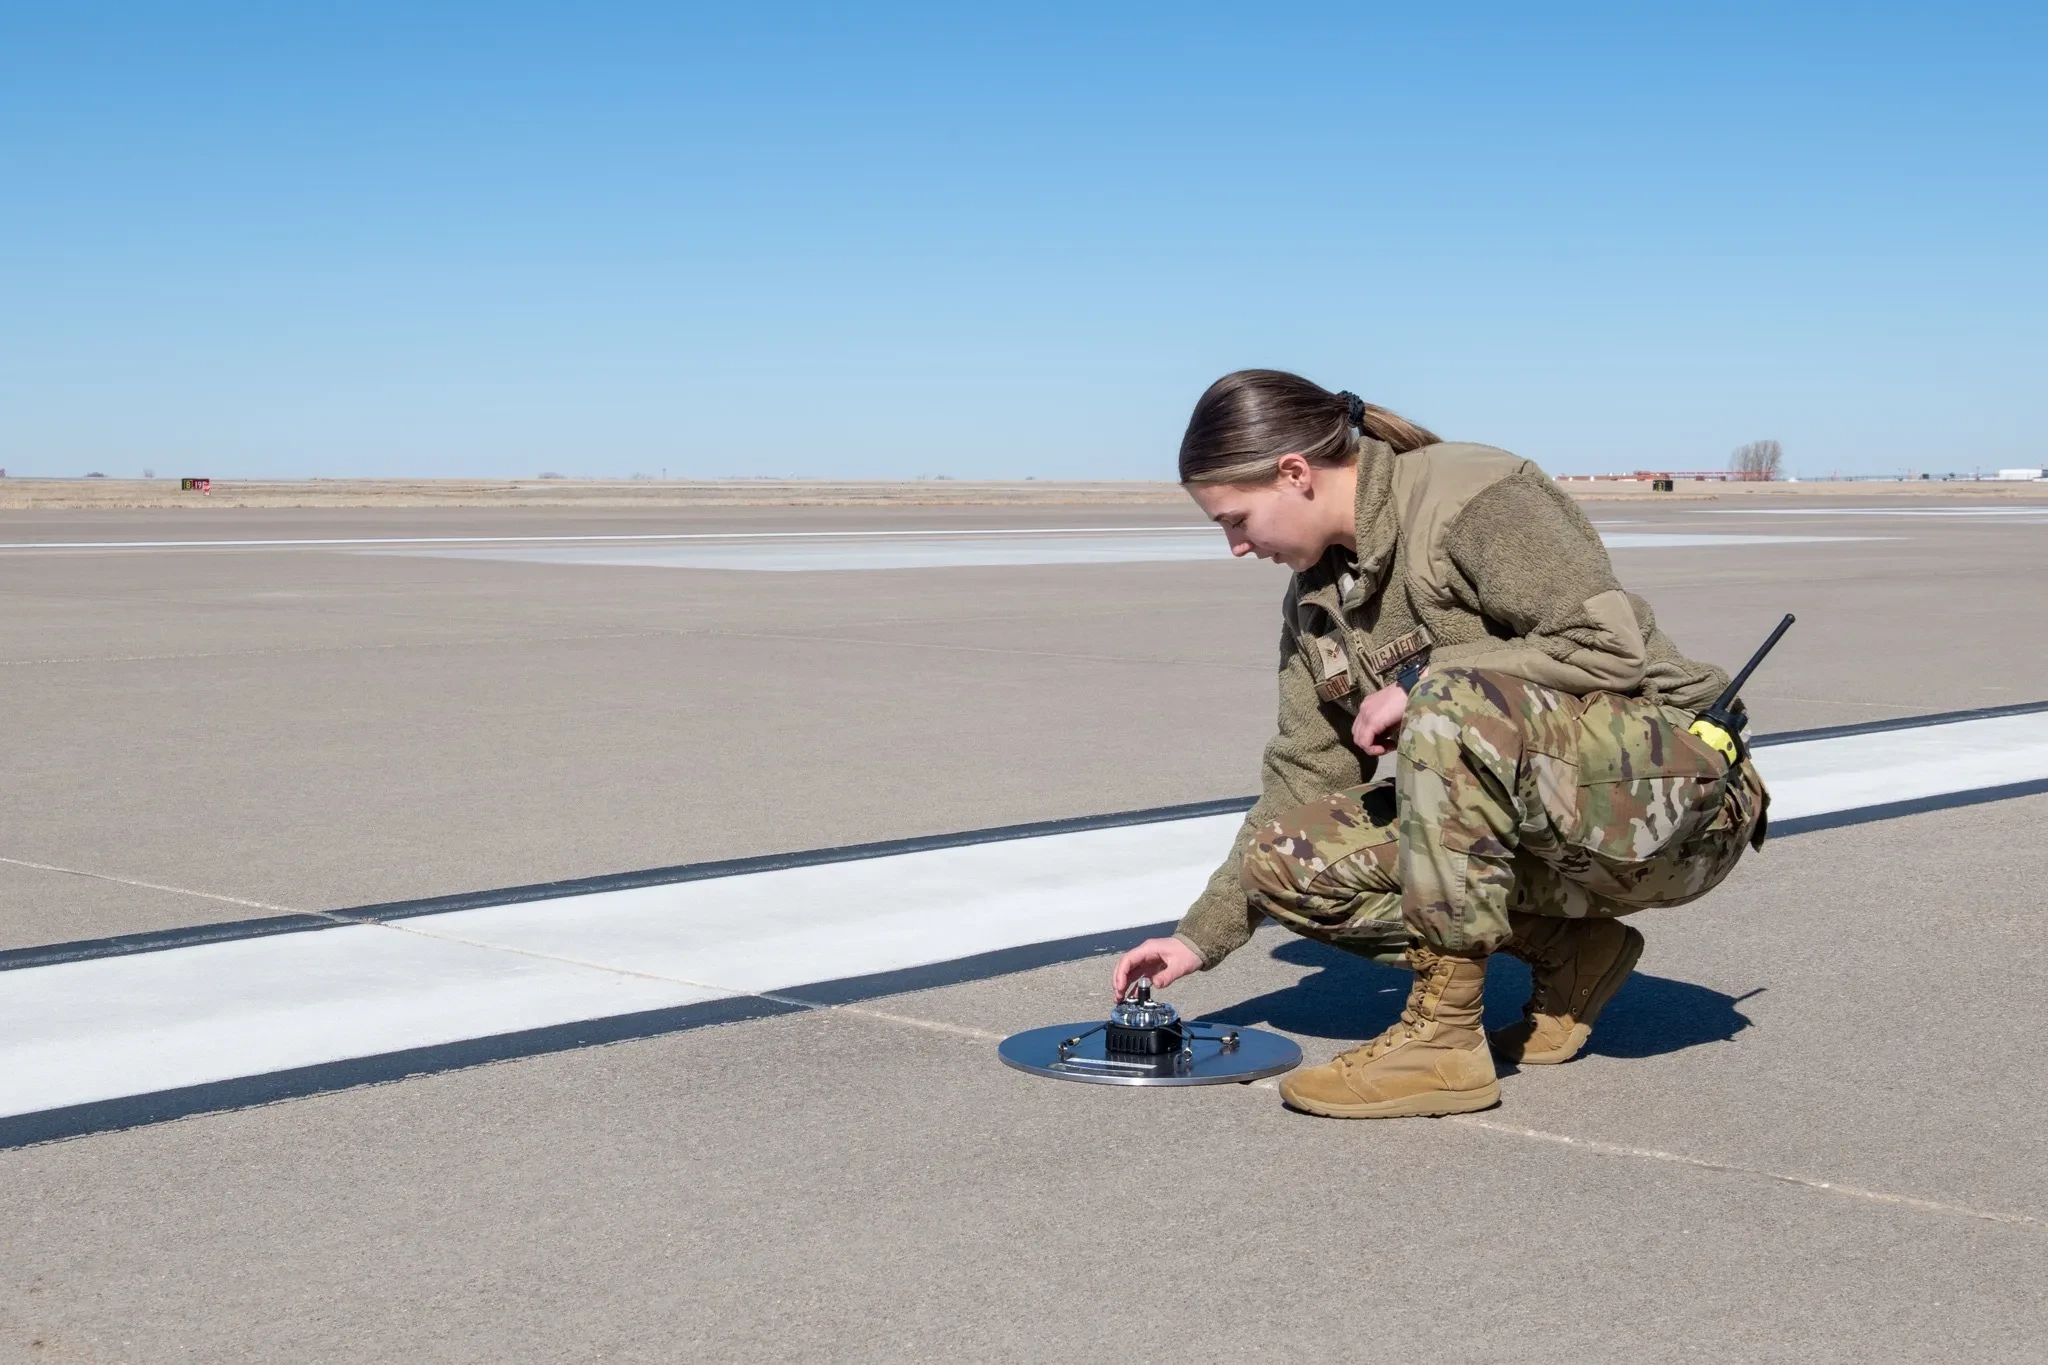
(1389, 657)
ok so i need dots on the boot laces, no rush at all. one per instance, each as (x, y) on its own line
(1547, 995)
(1552, 982)
(1400, 1032)
(1408, 1026)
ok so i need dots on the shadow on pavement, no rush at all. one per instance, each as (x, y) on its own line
(1350, 998)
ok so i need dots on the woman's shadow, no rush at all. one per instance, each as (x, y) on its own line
(1351, 998)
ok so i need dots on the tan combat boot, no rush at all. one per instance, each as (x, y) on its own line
(1432, 1061)
(1575, 967)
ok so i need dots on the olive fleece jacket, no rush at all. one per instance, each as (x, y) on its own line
(1468, 557)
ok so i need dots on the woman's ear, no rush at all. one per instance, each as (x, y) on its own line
(1295, 474)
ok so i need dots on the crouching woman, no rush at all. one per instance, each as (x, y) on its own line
(1450, 605)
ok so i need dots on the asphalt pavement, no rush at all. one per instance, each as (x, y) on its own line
(1809, 1129)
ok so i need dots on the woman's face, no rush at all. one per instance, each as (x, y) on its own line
(1287, 521)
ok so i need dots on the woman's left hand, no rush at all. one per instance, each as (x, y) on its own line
(1378, 726)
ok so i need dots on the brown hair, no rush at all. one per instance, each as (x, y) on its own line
(1248, 420)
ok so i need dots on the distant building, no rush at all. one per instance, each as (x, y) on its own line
(2018, 475)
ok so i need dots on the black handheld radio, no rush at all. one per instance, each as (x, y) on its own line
(1720, 725)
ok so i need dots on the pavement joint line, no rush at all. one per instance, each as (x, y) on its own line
(980, 1035)
(403, 927)
(1616, 1149)
(651, 632)
(778, 997)
(337, 649)
(1904, 707)
(989, 649)
(1593, 1145)
(159, 886)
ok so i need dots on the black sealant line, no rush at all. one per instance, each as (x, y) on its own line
(86, 950)
(1879, 727)
(247, 1092)
(101, 1116)
(1892, 810)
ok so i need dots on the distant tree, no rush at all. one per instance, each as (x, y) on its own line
(1758, 460)
(149, 473)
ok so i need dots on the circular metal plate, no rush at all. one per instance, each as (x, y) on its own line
(1258, 1054)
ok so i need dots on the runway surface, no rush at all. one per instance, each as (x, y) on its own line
(114, 1022)
(750, 1110)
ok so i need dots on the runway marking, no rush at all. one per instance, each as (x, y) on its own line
(150, 886)
(970, 551)
(93, 1041)
(835, 551)
(557, 540)
(2019, 511)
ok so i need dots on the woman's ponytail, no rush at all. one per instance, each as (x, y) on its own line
(1247, 420)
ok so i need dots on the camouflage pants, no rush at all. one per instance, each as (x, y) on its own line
(1508, 798)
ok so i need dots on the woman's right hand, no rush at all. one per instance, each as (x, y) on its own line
(1165, 960)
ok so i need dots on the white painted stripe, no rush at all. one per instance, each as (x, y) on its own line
(830, 549)
(546, 540)
(770, 930)
(84, 1031)
(967, 552)
(1823, 776)
(838, 556)
(130, 1025)
(77, 1032)
(1671, 540)
(2022, 511)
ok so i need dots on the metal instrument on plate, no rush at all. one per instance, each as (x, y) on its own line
(1146, 1042)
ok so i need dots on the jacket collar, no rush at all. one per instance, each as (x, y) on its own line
(1339, 579)
(1376, 527)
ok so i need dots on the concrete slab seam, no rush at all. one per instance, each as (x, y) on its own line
(174, 1106)
(1590, 1145)
(150, 886)
(386, 646)
(1222, 664)
(1729, 1168)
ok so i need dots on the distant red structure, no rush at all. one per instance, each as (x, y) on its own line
(195, 485)
(1696, 475)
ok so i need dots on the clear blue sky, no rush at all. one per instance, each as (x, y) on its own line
(897, 240)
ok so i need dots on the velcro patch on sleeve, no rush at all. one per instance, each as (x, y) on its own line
(1333, 669)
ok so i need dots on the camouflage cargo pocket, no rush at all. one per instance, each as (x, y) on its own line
(1641, 790)
(1327, 870)
(1697, 863)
